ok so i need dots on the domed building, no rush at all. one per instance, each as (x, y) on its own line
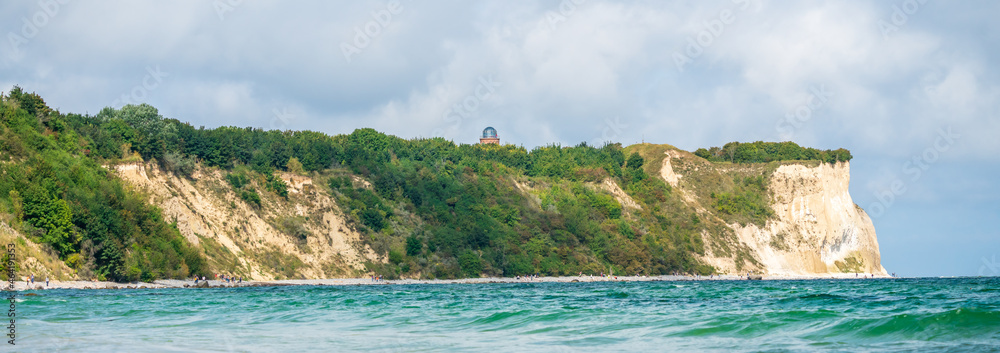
(489, 136)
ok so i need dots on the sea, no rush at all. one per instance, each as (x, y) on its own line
(877, 315)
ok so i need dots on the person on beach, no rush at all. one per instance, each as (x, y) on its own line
(32, 278)
(46, 281)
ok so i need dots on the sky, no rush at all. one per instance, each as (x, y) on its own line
(911, 87)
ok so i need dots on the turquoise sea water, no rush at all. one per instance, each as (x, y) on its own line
(818, 315)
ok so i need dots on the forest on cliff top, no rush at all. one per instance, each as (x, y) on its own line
(436, 209)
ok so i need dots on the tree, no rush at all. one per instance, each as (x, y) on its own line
(635, 161)
(30, 102)
(54, 216)
(470, 263)
(414, 246)
(294, 166)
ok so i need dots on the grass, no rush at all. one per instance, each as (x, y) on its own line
(851, 264)
(653, 154)
(220, 258)
(284, 266)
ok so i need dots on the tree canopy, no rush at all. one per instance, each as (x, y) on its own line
(763, 152)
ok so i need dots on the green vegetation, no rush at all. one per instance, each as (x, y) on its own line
(60, 197)
(852, 264)
(457, 211)
(763, 152)
(747, 203)
(430, 207)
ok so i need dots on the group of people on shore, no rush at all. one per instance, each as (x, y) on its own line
(526, 277)
(31, 280)
(221, 277)
(230, 279)
(376, 278)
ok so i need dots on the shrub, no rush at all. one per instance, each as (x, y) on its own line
(470, 263)
(373, 218)
(251, 197)
(177, 163)
(294, 166)
(237, 180)
(413, 245)
(74, 261)
(395, 257)
(293, 226)
(276, 185)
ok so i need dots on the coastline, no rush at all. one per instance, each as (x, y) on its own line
(175, 283)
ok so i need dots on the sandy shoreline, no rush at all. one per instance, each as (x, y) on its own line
(174, 283)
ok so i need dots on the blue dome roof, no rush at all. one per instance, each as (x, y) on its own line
(489, 133)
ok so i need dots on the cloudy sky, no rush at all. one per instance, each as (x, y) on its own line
(911, 87)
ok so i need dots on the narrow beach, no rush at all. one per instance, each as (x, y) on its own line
(174, 283)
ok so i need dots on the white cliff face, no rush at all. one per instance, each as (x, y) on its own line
(817, 228)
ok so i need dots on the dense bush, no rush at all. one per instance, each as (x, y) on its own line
(762, 152)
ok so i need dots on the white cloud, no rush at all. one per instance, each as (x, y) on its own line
(563, 72)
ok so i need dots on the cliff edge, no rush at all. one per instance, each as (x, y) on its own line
(816, 228)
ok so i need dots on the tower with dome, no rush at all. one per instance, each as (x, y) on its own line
(489, 136)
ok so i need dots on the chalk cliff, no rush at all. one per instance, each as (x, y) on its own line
(816, 228)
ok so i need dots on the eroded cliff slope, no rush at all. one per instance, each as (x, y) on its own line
(303, 236)
(816, 228)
